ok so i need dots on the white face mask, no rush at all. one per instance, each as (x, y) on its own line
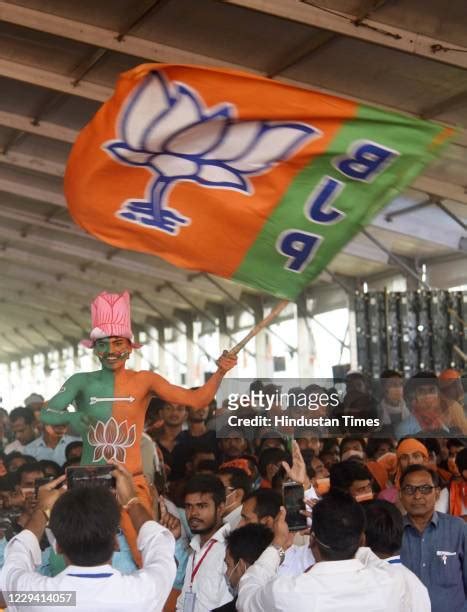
(233, 590)
(227, 506)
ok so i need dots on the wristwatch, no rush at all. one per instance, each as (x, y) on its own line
(281, 552)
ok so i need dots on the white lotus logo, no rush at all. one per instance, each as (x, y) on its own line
(166, 128)
(111, 439)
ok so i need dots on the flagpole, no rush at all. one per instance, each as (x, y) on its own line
(259, 326)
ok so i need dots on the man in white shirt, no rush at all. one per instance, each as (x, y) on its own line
(237, 486)
(85, 522)
(384, 530)
(22, 425)
(262, 507)
(338, 582)
(205, 586)
(244, 546)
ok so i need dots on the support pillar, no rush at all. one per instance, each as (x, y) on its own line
(264, 358)
(161, 342)
(306, 350)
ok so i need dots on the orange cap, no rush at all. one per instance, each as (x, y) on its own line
(449, 374)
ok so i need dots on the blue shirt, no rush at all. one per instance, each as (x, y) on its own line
(39, 450)
(411, 427)
(437, 557)
(408, 427)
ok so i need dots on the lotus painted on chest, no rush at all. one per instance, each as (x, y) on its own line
(166, 128)
(111, 439)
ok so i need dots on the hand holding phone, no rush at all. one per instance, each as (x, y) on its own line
(294, 503)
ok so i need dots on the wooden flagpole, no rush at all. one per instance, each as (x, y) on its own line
(259, 326)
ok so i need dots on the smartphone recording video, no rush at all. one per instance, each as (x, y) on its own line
(41, 481)
(294, 503)
(90, 476)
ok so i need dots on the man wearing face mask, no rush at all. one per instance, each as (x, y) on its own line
(353, 478)
(423, 397)
(237, 486)
(338, 582)
(393, 407)
(244, 546)
(111, 403)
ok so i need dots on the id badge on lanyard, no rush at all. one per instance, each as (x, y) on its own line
(189, 602)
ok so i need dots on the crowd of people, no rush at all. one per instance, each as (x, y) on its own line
(385, 516)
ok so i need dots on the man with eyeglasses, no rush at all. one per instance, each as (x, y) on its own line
(434, 544)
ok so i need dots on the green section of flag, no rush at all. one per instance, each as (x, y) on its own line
(263, 265)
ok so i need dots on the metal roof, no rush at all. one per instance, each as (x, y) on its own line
(59, 61)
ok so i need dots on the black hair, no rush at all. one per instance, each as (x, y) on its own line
(384, 527)
(390, 374)
(238, 479)
(461, 460)
(419, 468)
(267, 502)
(71, 446)
(272, 455)
(351, 439)
(454, 442)
(85, 522)
(156, 404)
(271, 434)
(48, 463)
(249, 542)
(343, 474)
(256, 386)
(328, 443)
(206, 483)
(420, 379)
(338, 523)
(373, 445)
(432, 445)
(30, 458)
(207, 465)
(27, 468)
(11, 457)
(22, 412)
(199, 448)
(355, 376)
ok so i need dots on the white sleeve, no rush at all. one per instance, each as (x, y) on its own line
(418, 593)
(157, 546)
(442, 505)
(22, 556)
(255, 588)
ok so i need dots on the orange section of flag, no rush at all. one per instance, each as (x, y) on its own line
(96, 185)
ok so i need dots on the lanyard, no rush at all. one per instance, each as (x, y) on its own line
(194, 569)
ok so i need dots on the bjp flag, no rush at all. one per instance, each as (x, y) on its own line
(229, 173)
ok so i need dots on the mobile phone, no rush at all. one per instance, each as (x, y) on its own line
(90, 476)
(293, 495)
(41, 481)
